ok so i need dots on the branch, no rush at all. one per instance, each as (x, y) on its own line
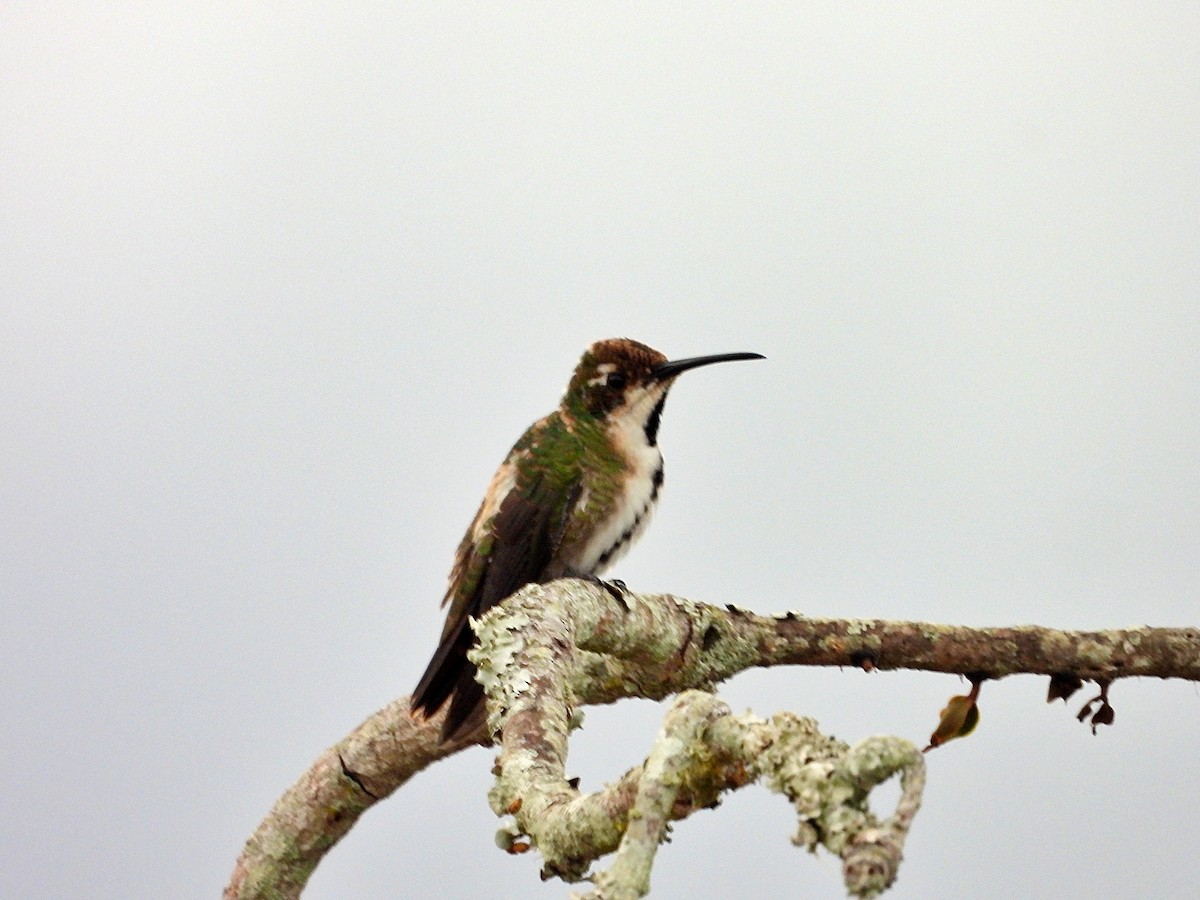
(526, 656)
(656, 645)
(345, 781)
(667, 644)
(702, 751)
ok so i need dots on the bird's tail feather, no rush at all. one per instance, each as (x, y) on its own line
(451, 676)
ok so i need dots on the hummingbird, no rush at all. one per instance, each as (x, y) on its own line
(572, 496)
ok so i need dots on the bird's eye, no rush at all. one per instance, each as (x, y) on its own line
(615, 380)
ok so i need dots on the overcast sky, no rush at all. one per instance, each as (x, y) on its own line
(283, 282)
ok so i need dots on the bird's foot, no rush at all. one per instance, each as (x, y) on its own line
(615, 587)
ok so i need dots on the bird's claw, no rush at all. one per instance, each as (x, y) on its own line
(615, 587)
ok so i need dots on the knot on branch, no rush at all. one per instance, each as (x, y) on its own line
(871, 862)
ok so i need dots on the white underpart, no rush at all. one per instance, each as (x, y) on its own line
(627, 428)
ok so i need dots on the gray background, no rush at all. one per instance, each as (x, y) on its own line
(282, 283)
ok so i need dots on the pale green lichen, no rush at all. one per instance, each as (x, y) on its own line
(1054, 643)
(507, 835)
(1094, 654)
(856, 627)
(829, 784)
(500, 635)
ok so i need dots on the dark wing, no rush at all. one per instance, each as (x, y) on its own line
(517, 548)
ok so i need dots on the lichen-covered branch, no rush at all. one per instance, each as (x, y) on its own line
(676, 758)
(344, 782)
(703, 750)
(654, 646)
(657, 645)
(526, 654)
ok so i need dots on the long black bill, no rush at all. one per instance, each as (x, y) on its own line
(673, 368)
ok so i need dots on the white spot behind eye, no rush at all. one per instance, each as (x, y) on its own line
(603, 370)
